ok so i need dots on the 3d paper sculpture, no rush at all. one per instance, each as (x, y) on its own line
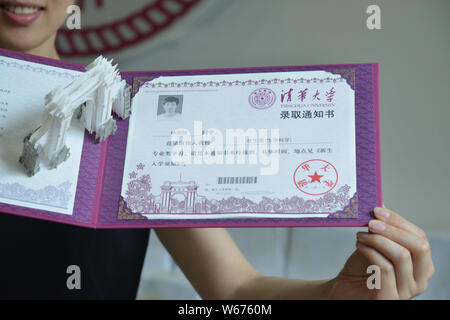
(91, 98)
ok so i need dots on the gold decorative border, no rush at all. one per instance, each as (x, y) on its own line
(138, 82)
(126, 214)
(347, 74)
(349, 212)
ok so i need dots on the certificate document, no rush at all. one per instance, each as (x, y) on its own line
(246, 147)
(257, 145)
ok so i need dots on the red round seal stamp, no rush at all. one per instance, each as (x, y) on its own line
(315, 177)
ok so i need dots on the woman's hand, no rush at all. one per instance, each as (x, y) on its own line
(401, 251)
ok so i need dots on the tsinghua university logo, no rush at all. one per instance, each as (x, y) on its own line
(262, 98)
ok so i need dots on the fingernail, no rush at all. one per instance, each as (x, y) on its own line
(362, 235)
(382, 212)
(377, 225)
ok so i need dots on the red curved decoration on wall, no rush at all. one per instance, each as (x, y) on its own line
(148, 28)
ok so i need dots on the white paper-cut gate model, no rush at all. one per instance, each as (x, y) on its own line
(91, 98)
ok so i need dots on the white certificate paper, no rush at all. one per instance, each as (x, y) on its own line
(23, 86)
(255, 145)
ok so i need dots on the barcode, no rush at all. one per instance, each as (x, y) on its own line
(236, 180)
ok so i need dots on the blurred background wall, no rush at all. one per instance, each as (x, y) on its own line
(412, 48)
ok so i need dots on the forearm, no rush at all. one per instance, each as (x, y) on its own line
(273, 288)
(217, 269)
(210, 260)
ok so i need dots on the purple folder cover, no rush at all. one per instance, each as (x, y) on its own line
(98, 201)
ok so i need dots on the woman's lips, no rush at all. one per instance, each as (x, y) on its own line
(21, 14)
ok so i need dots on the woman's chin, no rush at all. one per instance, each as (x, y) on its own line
(20, 40)
(21, 46)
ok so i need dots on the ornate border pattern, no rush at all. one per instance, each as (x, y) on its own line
(350, 211)
(125, 213)
(52, 196)
(200, 84)
(347, 74)
(39, 69)
(140, 201)
(139, 82)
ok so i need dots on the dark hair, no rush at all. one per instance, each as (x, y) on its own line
(171, 99)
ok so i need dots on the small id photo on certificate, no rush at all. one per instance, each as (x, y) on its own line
(170, 107)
